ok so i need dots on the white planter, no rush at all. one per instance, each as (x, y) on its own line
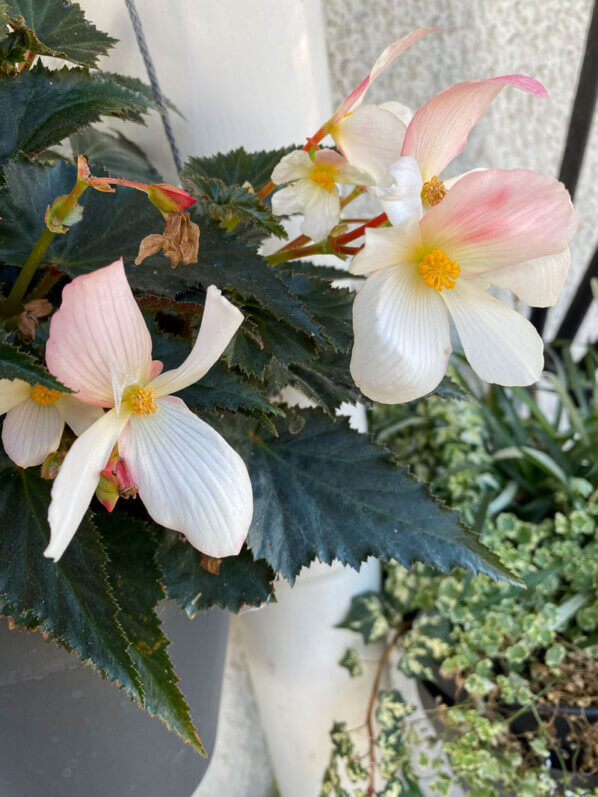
(293, 650)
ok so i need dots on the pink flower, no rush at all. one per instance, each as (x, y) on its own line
(187, 475)
(495, 227)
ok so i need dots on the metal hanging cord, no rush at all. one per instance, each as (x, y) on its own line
(153, 78)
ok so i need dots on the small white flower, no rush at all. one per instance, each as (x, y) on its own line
(35, 418)
(313, 190)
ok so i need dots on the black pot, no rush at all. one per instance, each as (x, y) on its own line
(562, 716)
(63, 730)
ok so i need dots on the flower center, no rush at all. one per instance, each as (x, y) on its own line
(143, 401)
(323, 176)
(438, 270)
(44, 396)
(433, 191)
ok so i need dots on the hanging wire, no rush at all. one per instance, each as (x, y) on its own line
(153, 78)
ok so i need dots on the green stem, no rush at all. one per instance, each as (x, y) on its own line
(30, 266)
(321, 248)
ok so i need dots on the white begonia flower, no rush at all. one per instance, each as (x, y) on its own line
(35, 418)
(371, 136)
(494, 226)
(187, 475)
(313, 190)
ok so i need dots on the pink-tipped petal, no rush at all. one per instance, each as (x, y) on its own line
(220, 321)
(78, 478)
(496, 218)
(389, 246)
(402, 336)
(371, 139)
(78, 416)
(12, 393)
(99, 342)
(189, 478)
(31, 432)
(536, 282)
(501, 345)
(395, 49)
(438, 131)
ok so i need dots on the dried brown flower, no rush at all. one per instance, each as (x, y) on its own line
(179, 241)
(28, 323)
(211, 564)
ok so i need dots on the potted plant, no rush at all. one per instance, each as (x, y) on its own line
(507, 673)
(146, 340)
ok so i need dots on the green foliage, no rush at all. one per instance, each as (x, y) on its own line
(18, 364)
(59, 29)
(506, 646)
(231, 204)
(39, 108)
(131, 562)
(242, 581)
(367, 617)
(72, 599)
(329, 493)
(115, 153)
(238, 166)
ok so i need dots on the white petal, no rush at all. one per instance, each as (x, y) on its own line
(501, 345)
(78, 416)
(402, 336)
(285, 202)
(402, 112)
(536, 282)
(388, 246)
(219, 322)
(189, 478)
(78, 478)
(31, 432)
(402, 200)
(12, 393)
(293, 166)
(321, 209)
(371, 138)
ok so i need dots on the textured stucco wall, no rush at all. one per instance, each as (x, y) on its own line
(476, 39)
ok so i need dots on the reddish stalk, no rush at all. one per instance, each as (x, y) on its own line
(359, 231)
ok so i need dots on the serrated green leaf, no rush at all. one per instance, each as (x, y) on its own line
(224, 201)
(366, 616)
(18, 364)
(114, 153)
(59, 29)
(238, 166)
(71, 598)
(135, 579)
(242, 581)
(331, 493)
(40, 108)
(113, 226)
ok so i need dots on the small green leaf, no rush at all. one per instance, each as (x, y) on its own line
(40, 108)
(366, 616)
(224, 202)
(351, 662)
(135, 579)
(59, 29)
(71, 598)
(330, 493)
(242, 581)
(18, 364)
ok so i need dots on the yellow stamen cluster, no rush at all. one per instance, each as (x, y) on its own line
(143, 401)
(44, 396)
(433, 191)
(323, 175)
(438, 270)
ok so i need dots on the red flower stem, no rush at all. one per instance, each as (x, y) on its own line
(341, 240)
